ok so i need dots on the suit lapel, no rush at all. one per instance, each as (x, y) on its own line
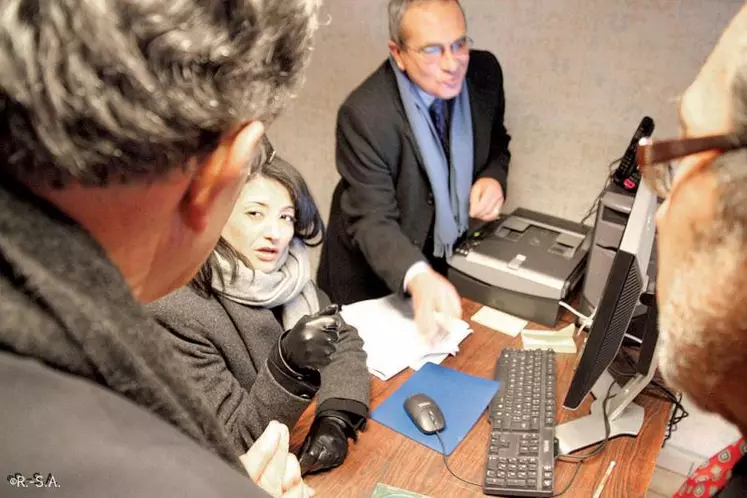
(479, 101)
(391, 78)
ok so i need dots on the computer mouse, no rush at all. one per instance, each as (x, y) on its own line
(425, 413)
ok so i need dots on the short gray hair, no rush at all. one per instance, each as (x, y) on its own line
(127, 90)
(397, 10)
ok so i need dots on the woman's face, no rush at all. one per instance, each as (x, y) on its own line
(261, 224)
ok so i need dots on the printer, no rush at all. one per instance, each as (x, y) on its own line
(523, 264)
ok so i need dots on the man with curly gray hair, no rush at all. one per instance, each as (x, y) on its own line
(701, 284)
(127, 129)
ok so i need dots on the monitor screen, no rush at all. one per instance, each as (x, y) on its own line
(626, 282)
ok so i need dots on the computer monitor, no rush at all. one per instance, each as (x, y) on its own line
(626, 283)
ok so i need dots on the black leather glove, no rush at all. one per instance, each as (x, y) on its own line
(309, 345)
(326, 444)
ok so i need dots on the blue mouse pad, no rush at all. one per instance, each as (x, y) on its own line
(461, 397)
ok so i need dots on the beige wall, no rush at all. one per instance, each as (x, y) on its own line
(579, 76)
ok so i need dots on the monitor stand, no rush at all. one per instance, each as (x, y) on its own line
(588, 430)
(625, 417)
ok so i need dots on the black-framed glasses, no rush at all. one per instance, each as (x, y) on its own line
(658, 159)
(435, 51)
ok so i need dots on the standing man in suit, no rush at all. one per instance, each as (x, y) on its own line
(421, 148)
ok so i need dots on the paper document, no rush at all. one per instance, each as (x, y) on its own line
(560, 341)
(500, 321)
(391, 338)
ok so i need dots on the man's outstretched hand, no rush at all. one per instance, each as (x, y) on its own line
(431, 294)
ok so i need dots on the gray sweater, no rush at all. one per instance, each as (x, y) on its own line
(227, 346)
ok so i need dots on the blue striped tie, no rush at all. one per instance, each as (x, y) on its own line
(438, 115)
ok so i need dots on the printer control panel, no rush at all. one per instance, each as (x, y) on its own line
(473, 238)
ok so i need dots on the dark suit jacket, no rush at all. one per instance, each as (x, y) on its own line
(382, 209)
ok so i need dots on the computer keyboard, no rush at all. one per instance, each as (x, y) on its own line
(521, 457)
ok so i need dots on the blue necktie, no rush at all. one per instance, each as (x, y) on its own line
(438, 115)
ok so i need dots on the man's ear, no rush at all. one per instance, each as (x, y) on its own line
(396, 53)
(222, 169)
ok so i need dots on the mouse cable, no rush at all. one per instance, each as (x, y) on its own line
(446, 462)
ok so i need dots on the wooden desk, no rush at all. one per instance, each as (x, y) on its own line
(382, 455)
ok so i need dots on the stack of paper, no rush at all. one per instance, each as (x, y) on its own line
(560, 341)
(391, 338)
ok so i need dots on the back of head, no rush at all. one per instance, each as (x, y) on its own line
(126, 90)
(702, 235)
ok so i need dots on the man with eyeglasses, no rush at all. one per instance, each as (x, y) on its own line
(702, 240)
(127, 131)
(421, 149)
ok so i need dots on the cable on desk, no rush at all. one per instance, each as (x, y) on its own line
(679, 413)
(573, 478)
(446, 462)
(578, 460)
(600, 445)
(586, 321)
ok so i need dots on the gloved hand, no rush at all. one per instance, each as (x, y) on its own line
(326, 444)
(309, 345)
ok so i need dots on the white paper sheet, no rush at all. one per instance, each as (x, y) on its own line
(500, 321)
(391, 338)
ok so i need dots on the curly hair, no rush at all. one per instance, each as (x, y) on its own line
(128, 90)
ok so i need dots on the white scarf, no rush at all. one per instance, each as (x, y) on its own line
(289, 286)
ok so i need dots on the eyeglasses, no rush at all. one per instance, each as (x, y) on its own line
(434, 52)
(264, 155)
(658, 160)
